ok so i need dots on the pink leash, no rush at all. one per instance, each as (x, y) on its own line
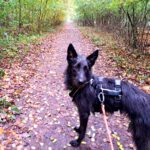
(107, 128)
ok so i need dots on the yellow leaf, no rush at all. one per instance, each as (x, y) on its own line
(83, 142)
(54, 141)
(1, 131)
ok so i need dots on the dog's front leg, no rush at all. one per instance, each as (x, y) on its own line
(81, 130)
(77, 129)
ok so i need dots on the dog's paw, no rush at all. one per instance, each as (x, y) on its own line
(74, 143)
(77, 129)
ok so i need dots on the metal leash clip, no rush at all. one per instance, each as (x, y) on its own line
(101, 95)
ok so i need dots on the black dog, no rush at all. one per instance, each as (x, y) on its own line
(88, 91)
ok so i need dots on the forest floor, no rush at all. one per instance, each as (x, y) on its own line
(47, 113)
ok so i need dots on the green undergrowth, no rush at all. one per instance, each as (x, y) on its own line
(11, 45)
(14, 47)
(133, 64)
(8, 110)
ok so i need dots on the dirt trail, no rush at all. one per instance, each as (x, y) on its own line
(48, 115)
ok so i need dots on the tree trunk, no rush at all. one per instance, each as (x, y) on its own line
(20, 16)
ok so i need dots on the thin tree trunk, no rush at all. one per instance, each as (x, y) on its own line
(20, 15)
(133, 27)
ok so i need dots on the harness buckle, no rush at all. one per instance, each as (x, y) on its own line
(91, 81)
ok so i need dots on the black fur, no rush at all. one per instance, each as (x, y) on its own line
(134, 102)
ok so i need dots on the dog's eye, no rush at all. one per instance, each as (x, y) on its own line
(78, 66)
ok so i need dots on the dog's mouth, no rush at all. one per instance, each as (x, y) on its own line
(78, 84)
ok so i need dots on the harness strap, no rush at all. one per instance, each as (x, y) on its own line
(117, 85)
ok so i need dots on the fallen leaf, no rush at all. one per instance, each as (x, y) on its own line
(1, 131)
(83, 142)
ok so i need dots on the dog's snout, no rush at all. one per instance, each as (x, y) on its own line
(81, 82)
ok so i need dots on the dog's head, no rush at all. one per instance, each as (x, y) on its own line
(79, 67)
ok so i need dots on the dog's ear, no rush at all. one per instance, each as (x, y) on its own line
(71, 53)
(92, 58)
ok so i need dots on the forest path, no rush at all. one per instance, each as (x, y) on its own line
(48, 114)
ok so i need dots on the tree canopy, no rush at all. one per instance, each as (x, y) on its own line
(32, 15)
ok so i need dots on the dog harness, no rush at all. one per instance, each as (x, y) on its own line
(103, 92)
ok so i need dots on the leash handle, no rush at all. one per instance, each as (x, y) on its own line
(107, 128)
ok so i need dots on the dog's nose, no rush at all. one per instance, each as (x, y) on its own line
(81, 79)
(81, 82)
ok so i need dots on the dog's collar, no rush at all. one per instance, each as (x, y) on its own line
(76, 90)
